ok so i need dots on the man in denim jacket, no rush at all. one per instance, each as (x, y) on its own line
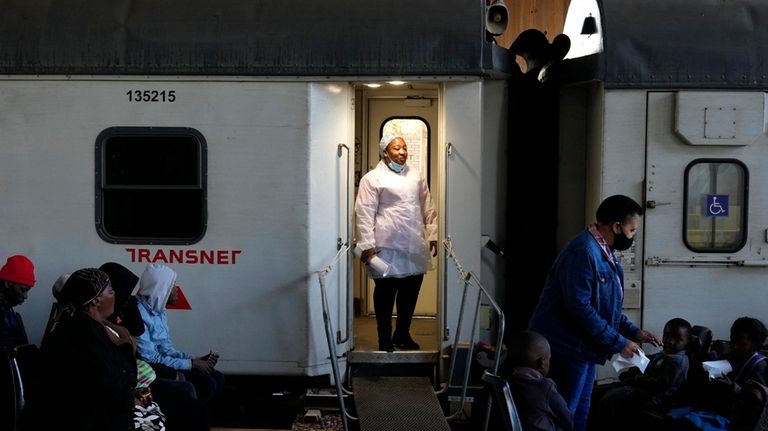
(579, 310)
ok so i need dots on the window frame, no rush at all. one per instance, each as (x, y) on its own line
(744, 212)
(153, 132)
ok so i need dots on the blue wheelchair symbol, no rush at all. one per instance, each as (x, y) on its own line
(717, 205)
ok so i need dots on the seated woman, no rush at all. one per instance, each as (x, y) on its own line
(176, 397)
(157, 287)
(88, 368)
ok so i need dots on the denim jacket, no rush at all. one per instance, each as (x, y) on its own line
(579, 311)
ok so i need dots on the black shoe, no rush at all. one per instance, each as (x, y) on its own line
(405, 342)
(386, 347)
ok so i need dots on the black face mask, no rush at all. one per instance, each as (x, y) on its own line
(621, 242)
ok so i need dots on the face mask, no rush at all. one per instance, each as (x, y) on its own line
(621, 242)
(395, 167)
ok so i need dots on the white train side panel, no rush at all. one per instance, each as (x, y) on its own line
(273, 201)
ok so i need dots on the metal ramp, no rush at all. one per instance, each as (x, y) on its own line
(397, 403)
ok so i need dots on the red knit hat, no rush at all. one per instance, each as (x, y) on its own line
(18, 269)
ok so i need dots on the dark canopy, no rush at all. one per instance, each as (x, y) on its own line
(682, 44)
(246, 37)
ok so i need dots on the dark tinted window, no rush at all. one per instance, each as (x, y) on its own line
(150, 185)
(152, 160)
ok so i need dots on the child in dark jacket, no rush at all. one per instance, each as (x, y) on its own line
(540, 406)
(665, 374)
(748, 365)
(747, 336)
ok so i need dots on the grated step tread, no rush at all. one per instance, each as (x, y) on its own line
(397, 403)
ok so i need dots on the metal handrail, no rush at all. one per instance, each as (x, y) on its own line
(468, 278)
(341, 391)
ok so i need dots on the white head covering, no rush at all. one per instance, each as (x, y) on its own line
(389, 137)
(155, 285)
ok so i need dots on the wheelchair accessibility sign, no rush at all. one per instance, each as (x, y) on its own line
(717, 205)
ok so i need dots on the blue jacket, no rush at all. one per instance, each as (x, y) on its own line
(155, 345)
(579, 311)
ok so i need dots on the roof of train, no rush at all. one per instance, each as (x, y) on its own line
(683, 43)
(247, 37)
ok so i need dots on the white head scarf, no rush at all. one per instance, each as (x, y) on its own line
(155, 285)
(389, 137)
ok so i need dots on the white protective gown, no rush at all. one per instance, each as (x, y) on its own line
(395, 215)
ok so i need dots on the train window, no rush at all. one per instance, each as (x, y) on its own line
(151, 185)
(715, 205)
(415, 131)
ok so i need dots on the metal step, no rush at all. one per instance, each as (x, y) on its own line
(397, 403)
(399, 357)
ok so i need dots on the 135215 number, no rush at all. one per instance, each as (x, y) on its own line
(151, 95)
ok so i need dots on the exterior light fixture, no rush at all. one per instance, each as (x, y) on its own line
(590, 26)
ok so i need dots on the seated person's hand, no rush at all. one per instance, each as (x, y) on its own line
(725, 383)
(212, 358)
(202, 365)
(630, 375)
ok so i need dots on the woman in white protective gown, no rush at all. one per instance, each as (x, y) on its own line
(396, 223)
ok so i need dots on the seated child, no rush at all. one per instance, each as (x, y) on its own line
(540, 406)
(747, 335)
(747, 363)
(664, 375)
(737, 397)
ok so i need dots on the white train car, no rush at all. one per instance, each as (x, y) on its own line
(220, 138)
(668, 105)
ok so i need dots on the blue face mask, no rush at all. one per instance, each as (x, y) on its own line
(395, 167)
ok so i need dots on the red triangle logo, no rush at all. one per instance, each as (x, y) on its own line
(181, 304)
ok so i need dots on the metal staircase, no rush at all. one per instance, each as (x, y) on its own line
(387, 400)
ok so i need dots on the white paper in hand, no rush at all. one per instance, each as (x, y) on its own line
(377, 263)
(717, 368)
(638, 360)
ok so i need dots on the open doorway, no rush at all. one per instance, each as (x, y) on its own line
(410, 111)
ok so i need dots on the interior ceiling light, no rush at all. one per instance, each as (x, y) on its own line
(373, 85)
(395, 82)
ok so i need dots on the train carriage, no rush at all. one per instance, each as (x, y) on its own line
(221, 139)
